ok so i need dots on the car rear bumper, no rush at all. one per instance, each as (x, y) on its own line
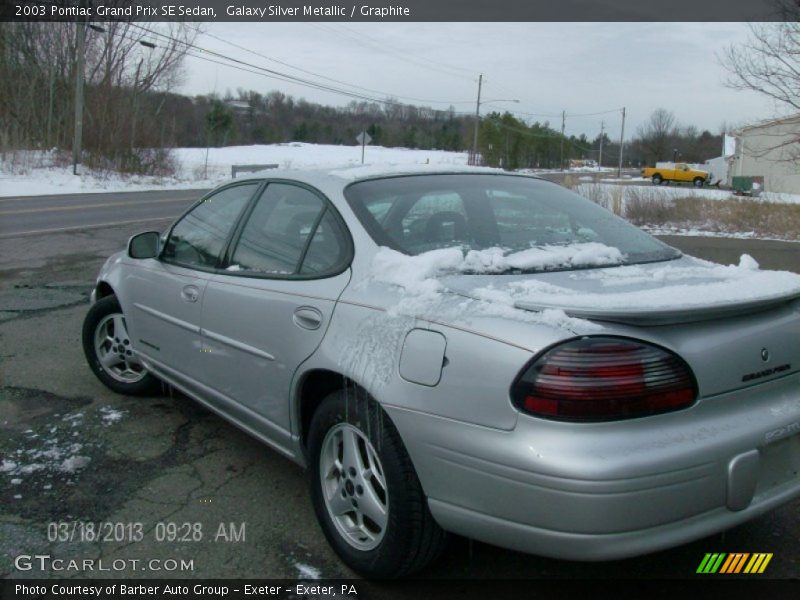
(612, 490)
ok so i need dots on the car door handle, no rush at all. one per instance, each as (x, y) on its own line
(190, 293)
(307, 317)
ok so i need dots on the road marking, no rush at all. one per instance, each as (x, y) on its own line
(87, 206)
(80, 227)
(195, 193)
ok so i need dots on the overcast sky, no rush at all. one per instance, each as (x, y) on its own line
(578, 67)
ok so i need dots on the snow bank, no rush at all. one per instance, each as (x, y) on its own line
(201, 168)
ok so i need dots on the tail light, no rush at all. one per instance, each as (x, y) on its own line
(604, 379)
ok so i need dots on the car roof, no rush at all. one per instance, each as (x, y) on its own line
(342, 176)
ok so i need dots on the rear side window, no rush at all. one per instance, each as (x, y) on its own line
(327, 248)
(290, 231)
(199, 237)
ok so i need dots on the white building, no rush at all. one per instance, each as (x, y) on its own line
(770, 149)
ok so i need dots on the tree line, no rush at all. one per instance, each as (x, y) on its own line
(132, 115)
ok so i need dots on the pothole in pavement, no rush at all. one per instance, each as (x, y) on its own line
(56, 455)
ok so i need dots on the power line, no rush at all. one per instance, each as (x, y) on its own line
(339, 81)
(194, 51)
(378, 45)
(267, 71)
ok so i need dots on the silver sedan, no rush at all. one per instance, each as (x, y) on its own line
(471, 352)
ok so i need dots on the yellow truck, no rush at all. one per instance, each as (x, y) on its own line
(680, 172)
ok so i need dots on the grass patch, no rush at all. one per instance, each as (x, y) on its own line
(652, 208)
(736, 215)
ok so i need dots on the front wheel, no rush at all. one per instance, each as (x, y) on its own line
(108, 350)
(365, 492)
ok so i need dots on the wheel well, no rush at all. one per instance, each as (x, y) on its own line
(314, 388)
(102, 290)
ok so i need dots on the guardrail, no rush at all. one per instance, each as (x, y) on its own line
(251, 168)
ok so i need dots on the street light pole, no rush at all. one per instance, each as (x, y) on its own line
(477, 122)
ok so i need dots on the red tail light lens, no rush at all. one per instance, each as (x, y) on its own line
(604, 379)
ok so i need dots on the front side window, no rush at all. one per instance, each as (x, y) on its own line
(290, 231)
(198, 238)
(480, 211)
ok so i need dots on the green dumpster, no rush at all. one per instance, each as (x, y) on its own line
(743, 184)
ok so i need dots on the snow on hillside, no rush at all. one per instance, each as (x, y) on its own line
(42, 177)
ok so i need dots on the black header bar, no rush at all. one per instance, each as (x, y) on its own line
(398, 10)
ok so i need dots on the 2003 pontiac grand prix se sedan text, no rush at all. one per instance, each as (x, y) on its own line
(471, 352)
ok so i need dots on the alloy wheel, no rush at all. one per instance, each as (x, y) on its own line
(113, 348)
(354, 486)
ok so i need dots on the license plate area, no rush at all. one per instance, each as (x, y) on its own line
(779, 464)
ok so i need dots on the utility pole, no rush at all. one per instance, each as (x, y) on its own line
(563, 124)
(79, 60)
(621, 143)
(477, 121)
(602, 129)
(48, 139)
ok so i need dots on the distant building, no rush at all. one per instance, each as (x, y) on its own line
(769, 149)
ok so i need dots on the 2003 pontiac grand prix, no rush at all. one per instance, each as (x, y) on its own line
(471, 352)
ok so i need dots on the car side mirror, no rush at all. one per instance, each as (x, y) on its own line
(144, 245)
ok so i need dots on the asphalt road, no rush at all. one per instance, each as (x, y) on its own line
(112, 459)
(68, 212)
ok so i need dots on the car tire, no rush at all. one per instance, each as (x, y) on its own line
(657, 179)
(698, 182)
(377, 479)
(109, 353)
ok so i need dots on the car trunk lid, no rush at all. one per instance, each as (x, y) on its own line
(736, 326)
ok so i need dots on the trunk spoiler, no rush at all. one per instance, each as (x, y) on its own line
(667, 316)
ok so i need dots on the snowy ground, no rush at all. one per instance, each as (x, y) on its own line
(606, 192)
(59, 450)
(36, 175)
(695, 232)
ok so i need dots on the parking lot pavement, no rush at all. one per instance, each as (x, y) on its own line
(82, 453)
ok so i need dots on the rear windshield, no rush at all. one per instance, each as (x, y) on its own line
(419, 213)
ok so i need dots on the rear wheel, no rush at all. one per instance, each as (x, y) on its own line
(109, 352)
(698, 182)
(365, 492)
(657, 179)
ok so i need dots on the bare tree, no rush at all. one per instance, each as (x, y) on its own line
(768, 62)
(657, 133)
(126, 65)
